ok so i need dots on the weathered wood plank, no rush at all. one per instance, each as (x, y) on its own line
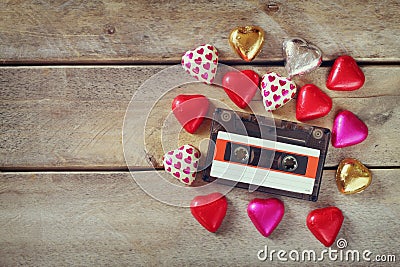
(71, 117)
(143, 31)
(103, 219)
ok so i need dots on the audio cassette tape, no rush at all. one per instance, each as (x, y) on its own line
(266, 154)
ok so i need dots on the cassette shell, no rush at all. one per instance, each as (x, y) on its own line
(262, 128)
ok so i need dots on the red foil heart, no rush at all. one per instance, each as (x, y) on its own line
(348, 130)
(266, 214)
(190, 110)
(345, 75)
(241, 86)
(312, 103)
(209, 210)
(325, 224)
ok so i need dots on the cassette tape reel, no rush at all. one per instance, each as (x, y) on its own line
(268, 155)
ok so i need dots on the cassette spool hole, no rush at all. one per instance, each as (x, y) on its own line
(289, 163)
(241, 153)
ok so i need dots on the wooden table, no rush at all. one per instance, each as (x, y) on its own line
(69, 70)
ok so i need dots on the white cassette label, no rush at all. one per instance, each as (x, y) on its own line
(266, 177)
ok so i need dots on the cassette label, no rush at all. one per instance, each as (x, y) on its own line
(237, 166)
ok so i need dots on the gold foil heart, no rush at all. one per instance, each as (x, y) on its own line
(247, 41)
(352, 176)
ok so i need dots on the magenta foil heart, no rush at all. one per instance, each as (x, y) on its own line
(348, 130)
(266, 214)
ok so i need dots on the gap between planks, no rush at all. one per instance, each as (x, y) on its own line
(124, 63)
(112, 169)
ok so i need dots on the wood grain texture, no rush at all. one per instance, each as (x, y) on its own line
(72, 117)
(149, 31)
(103, 219)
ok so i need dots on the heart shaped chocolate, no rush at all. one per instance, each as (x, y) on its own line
(241, 86)
(345, 75)
(276, 90)
(325, 224)
(301, 57)
(190, 110)
(182, 163)
(312, 103)
(266, 214)
(247, 41)
(352, 176)
(201, 63)
(348, 130)
(209, 210)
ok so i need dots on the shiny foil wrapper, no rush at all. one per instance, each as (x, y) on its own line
(301, 56)
(247, 41)
(352, 176)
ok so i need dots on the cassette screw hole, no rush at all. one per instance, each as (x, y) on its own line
(226, 116)
(317, 134)
(289, 163)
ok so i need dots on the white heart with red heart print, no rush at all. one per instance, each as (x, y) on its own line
(276, 90)
(201, 63)
(182, 163)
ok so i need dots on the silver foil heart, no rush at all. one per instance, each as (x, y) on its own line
(301, 57)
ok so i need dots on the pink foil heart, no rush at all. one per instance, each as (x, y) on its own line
(266, 214)
(348, 130)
